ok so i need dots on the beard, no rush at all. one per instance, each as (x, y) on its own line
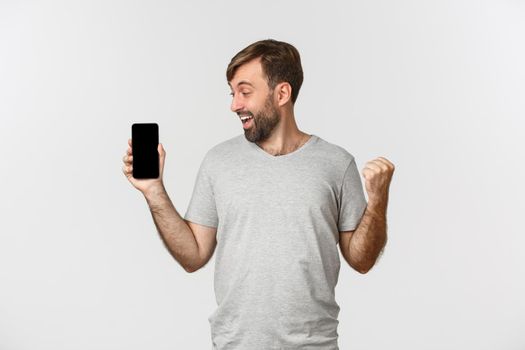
(264, 122)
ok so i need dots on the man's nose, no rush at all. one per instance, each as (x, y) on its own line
(236, 106)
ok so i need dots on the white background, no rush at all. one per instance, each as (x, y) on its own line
(436, 87)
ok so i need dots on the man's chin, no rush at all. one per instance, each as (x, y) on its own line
(252, 135)
(246, 133)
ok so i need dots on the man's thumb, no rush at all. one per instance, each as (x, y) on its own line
(162, 155)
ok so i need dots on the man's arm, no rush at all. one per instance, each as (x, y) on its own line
(189, 243)
(173, 229)
(362, 247)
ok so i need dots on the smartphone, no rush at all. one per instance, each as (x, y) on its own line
(144, 141)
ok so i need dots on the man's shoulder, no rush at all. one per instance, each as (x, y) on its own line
(333, 152)
(223, 150)
(225, 147)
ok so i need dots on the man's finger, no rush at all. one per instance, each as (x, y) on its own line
(373, 166)
(385, 161)
(127, 159)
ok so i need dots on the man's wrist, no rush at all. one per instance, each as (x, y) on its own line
(377, 205)
(154, 191)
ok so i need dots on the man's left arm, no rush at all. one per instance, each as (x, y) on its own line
(368, 240)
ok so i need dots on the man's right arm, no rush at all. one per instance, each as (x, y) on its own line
(191, 244)
(173, 229)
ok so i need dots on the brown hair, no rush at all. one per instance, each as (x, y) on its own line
(280, 62)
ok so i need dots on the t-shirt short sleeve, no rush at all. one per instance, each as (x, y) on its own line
(352, 201)
(202, 209)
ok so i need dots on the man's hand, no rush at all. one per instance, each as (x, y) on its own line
(378, 174)
(144, 185)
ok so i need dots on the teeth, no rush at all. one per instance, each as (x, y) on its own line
(245, 118)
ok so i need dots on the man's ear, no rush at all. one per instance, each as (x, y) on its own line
(283, 93)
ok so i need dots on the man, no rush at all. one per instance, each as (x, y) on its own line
(275, 202)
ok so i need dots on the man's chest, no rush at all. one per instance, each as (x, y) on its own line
(296, 191)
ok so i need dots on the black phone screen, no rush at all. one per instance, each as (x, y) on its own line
(144, 142)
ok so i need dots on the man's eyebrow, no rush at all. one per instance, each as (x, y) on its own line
(243, 82)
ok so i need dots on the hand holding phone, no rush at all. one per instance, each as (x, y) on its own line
(144, 159)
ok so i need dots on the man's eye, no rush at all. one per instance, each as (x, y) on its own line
(242, 93)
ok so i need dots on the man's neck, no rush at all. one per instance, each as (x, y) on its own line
(277, 145)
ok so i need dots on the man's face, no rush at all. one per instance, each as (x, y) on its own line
(252, 97)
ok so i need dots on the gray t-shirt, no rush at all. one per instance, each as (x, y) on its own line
(278, 220)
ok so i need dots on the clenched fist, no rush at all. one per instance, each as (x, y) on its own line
(378, 174)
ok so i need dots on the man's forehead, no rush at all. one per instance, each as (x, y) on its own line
(249, 73)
